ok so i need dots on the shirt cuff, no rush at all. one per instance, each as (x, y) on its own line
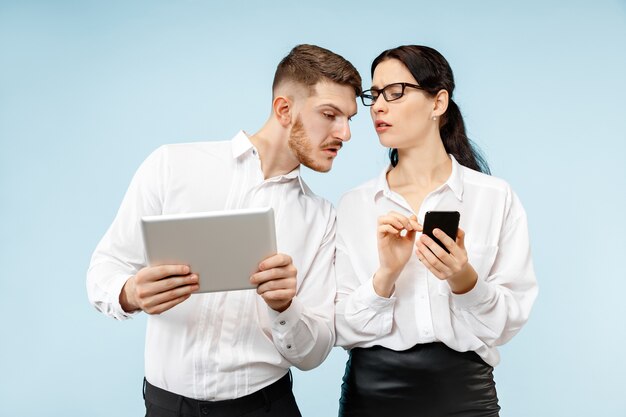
(480, 294)
(116, 288)
(284, 328)
(284, 321)
(368, 296)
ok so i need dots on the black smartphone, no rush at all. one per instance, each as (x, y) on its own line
(446, 221)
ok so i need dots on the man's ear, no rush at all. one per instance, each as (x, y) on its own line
(281, 107)
(441, 103)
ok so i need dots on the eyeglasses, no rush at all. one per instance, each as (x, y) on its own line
(390, 92)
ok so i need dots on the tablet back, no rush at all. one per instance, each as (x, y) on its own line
(223, 247)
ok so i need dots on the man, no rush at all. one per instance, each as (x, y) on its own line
(229, 353)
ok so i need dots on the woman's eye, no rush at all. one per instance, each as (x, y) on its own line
(329, 115)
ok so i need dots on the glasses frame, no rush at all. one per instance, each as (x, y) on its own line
(382, 92)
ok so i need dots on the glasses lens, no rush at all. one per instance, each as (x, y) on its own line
(368, 97)
(393, 92)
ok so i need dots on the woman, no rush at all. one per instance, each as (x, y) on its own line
(421, 324)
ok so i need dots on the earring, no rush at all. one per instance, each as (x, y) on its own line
(434, 117)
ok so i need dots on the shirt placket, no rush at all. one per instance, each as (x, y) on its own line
(421, 301)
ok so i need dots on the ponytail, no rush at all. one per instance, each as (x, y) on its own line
(456, 142)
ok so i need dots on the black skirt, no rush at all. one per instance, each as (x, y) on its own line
(429, 380)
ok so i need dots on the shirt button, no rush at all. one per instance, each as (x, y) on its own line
(253, 151)
(283, 322)
(288, 346)
(205, 411)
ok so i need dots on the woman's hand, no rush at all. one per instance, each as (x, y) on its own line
(452, 266)
(396, 238)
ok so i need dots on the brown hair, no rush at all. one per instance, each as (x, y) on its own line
(310, 64)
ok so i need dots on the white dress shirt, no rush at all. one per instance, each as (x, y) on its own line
(225, 345)
(423, 309)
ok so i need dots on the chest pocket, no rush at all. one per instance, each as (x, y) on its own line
(481, 257)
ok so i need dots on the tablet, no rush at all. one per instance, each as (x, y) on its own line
(223, 247)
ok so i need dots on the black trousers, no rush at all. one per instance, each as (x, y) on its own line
(275, 400)
(429, 380)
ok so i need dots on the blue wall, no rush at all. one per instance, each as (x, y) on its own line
(88, 89)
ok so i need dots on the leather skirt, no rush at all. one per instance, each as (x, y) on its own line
(428, 380)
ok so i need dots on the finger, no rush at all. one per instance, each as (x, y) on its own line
(167, 305)
(148, 289)
(154, 273)
(406, 223)
(278, 295)
(428, 266)
(384, 229)
(274, 261)
(415, 224)
(277, 284)
(460, 238)
(434, 248)
(434, 265)
(391, 221)
(168, 297)
(273, 274)
(447, 241)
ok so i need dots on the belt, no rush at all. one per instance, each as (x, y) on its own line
(257, 400)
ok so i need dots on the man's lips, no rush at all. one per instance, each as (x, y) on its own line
(332, 148)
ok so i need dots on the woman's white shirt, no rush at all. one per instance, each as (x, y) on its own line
(422, 308)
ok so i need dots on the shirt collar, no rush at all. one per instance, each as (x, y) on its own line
(454, 182)
(241, 145)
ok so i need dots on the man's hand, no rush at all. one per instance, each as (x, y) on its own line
(156, 289)
(276, 280)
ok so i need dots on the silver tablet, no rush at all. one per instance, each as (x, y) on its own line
(223, 247)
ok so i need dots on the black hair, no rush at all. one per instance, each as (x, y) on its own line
(433, 73)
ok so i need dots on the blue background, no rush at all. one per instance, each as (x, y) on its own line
(89, 89)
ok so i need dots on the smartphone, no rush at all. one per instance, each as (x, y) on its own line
(446, 221)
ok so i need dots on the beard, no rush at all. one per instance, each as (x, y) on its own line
(300, 144)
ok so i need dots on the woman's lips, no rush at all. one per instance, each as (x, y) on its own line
(381, 126)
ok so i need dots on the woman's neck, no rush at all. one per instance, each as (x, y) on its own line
(427, 165)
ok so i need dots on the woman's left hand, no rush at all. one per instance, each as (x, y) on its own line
(452, 267)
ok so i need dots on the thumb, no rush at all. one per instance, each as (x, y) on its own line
(460, 238)
(416, 226)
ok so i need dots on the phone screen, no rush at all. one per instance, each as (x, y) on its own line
(446, 221)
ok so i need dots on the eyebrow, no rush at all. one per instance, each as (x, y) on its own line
(337, 109)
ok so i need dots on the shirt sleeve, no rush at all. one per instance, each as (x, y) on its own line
(500, 303)
(120, 253)
(304, 333)
(361, 315)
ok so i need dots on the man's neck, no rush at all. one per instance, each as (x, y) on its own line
(276, 157)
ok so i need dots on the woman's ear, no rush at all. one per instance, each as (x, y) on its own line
(281, 107)
(440, 103)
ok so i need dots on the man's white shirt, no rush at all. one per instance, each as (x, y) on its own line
(219, 346)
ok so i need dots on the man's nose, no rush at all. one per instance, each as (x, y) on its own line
(343, 132)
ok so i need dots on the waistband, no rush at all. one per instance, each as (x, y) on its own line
(178, 403)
